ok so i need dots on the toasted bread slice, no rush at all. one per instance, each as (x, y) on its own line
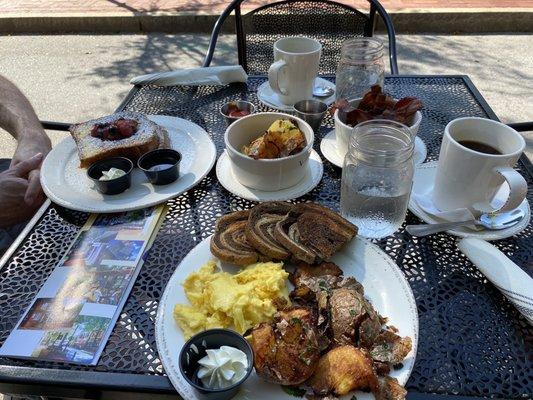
(148, 136)
(261, 223)
(229, 242)
(313, 233)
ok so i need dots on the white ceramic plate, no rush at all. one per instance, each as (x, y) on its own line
(384, 283)
(423, 184)
(66, 184)
(311, 179)
(328, 147)
(269, 98)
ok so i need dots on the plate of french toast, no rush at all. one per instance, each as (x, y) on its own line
(126, 161)
(327, 315)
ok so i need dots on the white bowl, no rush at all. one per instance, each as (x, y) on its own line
(343, 131)
(267, 175)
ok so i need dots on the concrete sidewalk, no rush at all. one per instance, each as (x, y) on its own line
(186, 16)
(73, 78)
(209, 6)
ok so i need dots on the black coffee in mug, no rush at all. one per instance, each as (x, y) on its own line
(479, 147)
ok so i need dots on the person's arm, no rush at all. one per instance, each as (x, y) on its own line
(13, 191)
(19, 119)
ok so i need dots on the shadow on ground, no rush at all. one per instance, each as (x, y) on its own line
(499, 65)
(156, 53)
(77, 77)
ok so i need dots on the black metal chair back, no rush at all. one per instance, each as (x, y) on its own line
(329, 22)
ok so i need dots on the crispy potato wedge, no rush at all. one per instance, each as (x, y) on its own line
(390, 389)
(343, 369)
(286, 351)
(282, 139)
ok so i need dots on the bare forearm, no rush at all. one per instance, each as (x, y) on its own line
(17, 115)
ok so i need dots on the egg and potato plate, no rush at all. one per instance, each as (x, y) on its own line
(219, 299)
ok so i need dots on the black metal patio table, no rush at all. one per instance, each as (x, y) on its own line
(472, 341)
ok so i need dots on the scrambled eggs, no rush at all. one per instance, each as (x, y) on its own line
(220, 300)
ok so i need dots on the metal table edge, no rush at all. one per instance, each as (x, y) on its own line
(113, 381)
(64, 378)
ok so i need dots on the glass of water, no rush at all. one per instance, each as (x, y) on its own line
(377, 177)
(361, 66)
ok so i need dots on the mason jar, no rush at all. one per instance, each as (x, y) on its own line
(360, 67)
(377, 177)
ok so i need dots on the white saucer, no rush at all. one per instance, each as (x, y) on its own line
(423, 185)
(328, 147)
(269, 98)
(308, 183)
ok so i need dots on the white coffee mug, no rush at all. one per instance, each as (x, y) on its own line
(468, 178)
(292, 76)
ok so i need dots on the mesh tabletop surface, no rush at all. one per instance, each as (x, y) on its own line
(472, 341)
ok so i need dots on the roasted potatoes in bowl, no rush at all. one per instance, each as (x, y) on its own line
(268, 167)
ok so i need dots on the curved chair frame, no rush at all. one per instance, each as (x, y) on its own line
(55, 126)
(235, 6)
(522, 126)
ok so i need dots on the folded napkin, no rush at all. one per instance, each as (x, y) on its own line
(195, 76)
(426, 204)
(508, 277)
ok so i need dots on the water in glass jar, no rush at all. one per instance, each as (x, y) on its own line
(377, 176)
(377, 211)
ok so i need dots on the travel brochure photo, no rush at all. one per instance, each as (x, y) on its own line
(73, 313)
(308, 223)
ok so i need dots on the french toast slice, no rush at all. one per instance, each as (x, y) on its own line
(144, 136)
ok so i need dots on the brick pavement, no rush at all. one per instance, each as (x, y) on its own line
(209, 6)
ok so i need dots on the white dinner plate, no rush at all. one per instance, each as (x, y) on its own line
(68, 185)
(423, 183)
(384, 283)
(328, 147)
(269, 98)
(312, 178)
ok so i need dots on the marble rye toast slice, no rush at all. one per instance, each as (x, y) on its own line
(260, 228)
(313, 233)
(229, 242)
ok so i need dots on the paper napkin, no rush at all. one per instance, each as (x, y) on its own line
(427, 205)
(221, 75)
(508, 277)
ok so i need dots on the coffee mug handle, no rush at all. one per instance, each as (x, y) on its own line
(517, 188)
(273, 76)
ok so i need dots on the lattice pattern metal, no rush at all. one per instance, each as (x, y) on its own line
(330, 24)
(472, 340)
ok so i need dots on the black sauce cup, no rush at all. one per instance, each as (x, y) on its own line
(195, 349)
(112, 186)
(154, 158)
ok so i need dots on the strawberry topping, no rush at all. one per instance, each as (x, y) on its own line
(120, 129)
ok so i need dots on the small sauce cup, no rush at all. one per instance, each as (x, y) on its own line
(113, 186)
(161, 166)
(241, 106)
(195, 349)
